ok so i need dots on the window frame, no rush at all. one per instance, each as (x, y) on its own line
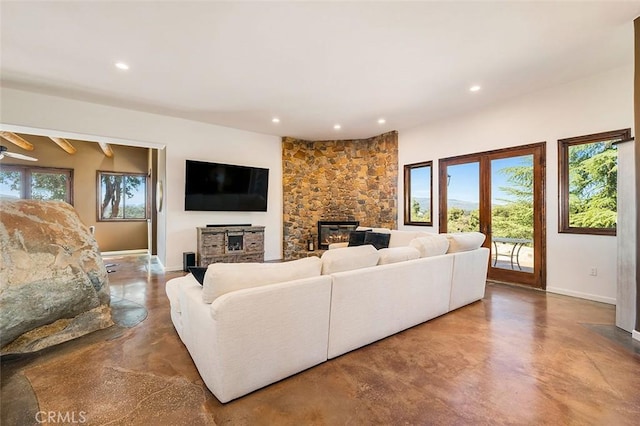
(408, 168)
(99, 174)
(563, 178)
(26, 184)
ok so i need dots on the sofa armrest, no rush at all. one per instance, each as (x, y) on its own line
(469, 277)
(254, 337)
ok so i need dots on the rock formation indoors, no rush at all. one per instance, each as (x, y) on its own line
(53, 282)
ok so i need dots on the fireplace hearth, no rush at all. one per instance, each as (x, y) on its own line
(334, 231)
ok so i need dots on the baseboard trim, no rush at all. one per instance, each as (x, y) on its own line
(636, 335)
(580, 295)
(173, 268)
(124, 252)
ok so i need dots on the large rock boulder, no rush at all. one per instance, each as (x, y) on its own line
(53, 283)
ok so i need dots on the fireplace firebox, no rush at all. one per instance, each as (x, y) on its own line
(334, 231)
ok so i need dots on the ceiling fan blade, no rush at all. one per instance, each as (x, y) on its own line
(19, 156)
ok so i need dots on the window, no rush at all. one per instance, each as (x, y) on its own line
(122, 196)
(417, 194)
(37, 183)
(588, 182)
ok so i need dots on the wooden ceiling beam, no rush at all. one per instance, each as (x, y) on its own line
(17, 140)
(64, 144)
(106, 149)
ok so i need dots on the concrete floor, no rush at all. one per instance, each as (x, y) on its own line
(517, 357)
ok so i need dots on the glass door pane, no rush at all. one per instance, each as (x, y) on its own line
(463, 197)
(501, 194)
(512, 213)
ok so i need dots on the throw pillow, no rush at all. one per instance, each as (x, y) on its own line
(433, 245)
(198, 273)
(222, 278)
(464, 241)
(349, 258)
(377, 239)
(356, 238)
(397, 254)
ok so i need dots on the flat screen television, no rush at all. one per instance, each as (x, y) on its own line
(225, 187)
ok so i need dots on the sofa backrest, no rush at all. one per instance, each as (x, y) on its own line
(349, 258)
(222, 278)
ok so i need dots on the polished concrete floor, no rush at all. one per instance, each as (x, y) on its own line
(518, 357)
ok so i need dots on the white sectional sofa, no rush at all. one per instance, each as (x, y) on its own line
(250, 325)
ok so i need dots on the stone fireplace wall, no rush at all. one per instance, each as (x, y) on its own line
(337, 180)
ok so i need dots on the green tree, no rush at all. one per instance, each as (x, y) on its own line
(417, 213)
(114, 187)
(593, 176)
(48, 186)
(42, 185)
(11, 181)
(460, 220)
(514, 218)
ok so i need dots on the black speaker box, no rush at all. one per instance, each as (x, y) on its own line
(188, 259)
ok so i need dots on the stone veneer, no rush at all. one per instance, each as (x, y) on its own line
(337, 180)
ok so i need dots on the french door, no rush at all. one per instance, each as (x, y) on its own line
(501, 194)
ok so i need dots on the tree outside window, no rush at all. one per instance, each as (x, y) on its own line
(122, 196)
(418, 194)
(588, 167)
(37, 183)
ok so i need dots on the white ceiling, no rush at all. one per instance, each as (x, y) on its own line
(312, 64)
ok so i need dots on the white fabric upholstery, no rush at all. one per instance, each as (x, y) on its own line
(333, 246)
(348, 258)
(223, 278)
(433, 245)
(464, 241)
(404, 238)
(469, 277)
(378, 230)
(397, 254)
(173, 289)
(373, 303)
(250, 338)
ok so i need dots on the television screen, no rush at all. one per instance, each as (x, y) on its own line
(225, 187)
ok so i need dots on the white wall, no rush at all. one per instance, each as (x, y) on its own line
(595, 104)
(182, 139)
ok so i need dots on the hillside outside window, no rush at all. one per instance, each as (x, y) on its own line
(418, 193)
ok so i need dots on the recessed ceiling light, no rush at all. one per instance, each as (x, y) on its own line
(275, 120)
(337, 126)
(381, 121)
(122, 66)
(474, 88)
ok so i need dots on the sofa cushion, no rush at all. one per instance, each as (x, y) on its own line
(432, 245)
(397, 254)
(404, 238)
(356, 238)
(379, 230)
(348, 258)
(223, 278)
(464, 241)
(377, 239)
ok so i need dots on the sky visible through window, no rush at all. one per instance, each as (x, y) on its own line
(464, 180)
(421, 182)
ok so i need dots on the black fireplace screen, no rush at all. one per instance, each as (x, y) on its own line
(330, 232)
